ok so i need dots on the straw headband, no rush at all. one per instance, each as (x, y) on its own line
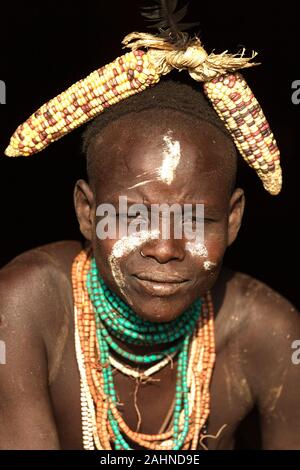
(151, 57)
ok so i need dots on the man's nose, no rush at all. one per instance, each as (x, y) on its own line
(164, 250)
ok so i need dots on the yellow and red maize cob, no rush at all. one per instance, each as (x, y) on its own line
(133, 72)
(125, 76)
(236, 105)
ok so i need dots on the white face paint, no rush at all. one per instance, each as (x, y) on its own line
(124, 247)
(171, 158)
(166, 172)
(140, 184)
(197, 249)
(209, 265)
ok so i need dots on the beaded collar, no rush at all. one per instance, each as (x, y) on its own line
(97, 313)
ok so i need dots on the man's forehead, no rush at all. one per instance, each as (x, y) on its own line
(140, 149)
(158, 158)
(152, 187)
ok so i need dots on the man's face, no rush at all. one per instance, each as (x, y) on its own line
(161, 161)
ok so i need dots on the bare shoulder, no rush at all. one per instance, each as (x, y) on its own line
(40, 262)
(35, 286)
(254, 310)
(266, 326)
(35, 321)
(258, 305)
(43, 259)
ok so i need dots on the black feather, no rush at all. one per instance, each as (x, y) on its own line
(165, 16)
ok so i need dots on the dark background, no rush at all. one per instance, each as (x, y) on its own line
(46, 47)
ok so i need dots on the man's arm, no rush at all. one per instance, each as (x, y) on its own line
(26, 417)
(274, 378)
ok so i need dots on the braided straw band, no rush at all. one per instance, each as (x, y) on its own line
(134, 72)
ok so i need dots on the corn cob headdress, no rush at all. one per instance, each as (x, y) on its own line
(150, 58)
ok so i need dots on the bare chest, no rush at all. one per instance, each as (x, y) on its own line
(147, 407)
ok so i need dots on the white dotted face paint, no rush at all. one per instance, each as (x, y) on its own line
(209, 265)
(124, 247)
(197, 249)
(171, 158)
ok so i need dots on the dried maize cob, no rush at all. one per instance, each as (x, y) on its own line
(133, 72)
(236, 105)
(125, 76)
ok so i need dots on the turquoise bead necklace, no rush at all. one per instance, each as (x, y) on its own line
(116, 319)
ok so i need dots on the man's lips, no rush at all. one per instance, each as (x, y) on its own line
(160, 277)
(160, 284)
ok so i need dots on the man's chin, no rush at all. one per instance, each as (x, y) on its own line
(158, 309)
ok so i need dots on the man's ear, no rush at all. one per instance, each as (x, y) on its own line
(84, 205)
(236, 210)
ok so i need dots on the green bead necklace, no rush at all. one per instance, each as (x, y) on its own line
(114, 318)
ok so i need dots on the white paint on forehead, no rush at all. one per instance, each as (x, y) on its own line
(140, 184)
(171, 158)
(209, 265)
(196, 249)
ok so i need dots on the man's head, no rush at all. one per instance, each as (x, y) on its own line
(163, 146)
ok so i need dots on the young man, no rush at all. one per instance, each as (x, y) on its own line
(130, 152)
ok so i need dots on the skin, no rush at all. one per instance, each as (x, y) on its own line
(142, 152)
(254, 326)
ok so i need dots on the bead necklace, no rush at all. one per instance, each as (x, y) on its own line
(143, 374)
(103, 424)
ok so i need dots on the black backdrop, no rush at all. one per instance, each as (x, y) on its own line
(46, 47)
